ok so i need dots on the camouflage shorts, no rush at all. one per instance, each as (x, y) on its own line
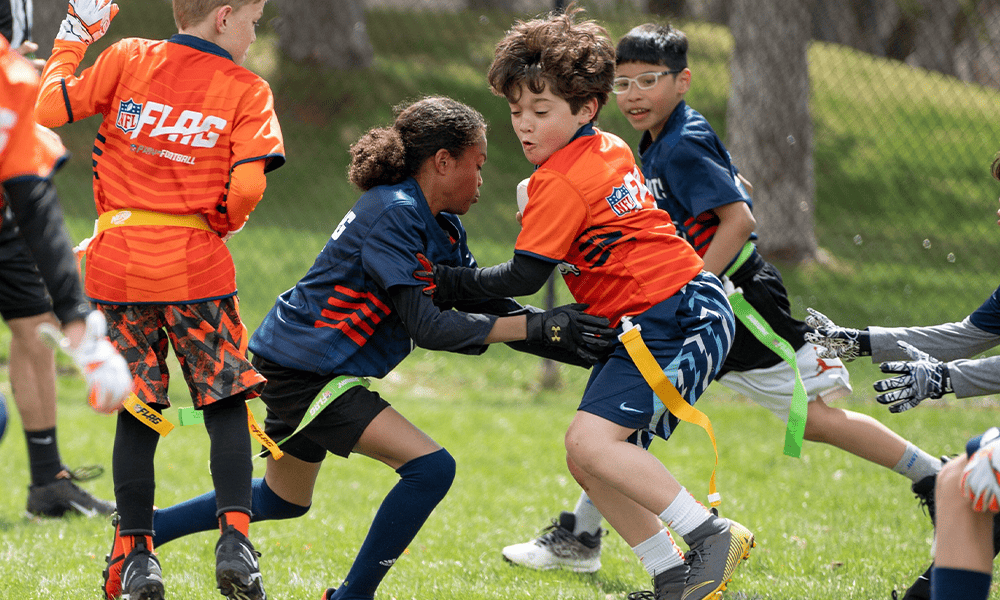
(209, 341)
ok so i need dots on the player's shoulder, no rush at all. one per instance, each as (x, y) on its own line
(16, 72)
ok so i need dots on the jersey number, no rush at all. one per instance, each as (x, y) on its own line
(343, 224)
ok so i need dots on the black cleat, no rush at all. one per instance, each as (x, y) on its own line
(142, 578)
(63, 496)
(236, 569)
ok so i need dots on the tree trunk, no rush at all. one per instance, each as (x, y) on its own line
(770, 130)
(332, 35)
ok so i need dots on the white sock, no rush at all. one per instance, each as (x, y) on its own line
(588, 518)
(685, 513)
(917, 464)
(659, 553)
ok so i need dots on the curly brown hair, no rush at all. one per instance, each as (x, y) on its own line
(577, 60)
(388, 155)
(995, 169)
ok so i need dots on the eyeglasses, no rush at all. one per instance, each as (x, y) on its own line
(645, 81)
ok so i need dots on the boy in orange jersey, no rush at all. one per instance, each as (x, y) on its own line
(590, 214)
(179, 162)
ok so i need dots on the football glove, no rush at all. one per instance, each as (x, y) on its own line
(924, 377)
(980, 477)
(425, 274)
(446, 285)
(571, 329)
(107, 374)
(836, 341)
(87, 20)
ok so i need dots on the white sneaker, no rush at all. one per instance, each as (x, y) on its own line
(558, 548)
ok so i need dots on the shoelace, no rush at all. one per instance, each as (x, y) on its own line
(86, 473)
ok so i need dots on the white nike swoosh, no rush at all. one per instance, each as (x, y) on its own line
(44, 441)
(628, 409)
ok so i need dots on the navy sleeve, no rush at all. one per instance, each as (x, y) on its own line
(389, 251)
(987, 316)
(700, 178)
(431, 328)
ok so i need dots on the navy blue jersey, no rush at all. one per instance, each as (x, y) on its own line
(690, 172)
(987, 316)
(339, 317)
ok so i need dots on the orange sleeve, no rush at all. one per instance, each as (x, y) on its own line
(64, 97)
(554, 216)
(256, 132)
(246, 188)
(26, 149)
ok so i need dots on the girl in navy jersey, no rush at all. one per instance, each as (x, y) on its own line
(359, 311)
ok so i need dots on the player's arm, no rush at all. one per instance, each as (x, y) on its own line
(736, 224)
(565, 327)
(63, 96)
(522, 275)
(246, 188)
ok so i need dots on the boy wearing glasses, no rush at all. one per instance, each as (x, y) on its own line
(690, 172)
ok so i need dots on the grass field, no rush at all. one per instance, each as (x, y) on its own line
(904, 205)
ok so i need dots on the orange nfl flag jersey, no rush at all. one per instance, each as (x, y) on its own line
(178, 116)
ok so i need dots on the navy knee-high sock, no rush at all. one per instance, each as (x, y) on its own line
(424, 481)
(959, 584)
(198, 514)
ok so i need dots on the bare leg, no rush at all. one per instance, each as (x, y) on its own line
(292, 479)
(856, 433)
(33, 373)
(624, 476)
(633, 522)
(963, 537)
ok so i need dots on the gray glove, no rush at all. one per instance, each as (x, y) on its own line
(836, 341)
(924, 377)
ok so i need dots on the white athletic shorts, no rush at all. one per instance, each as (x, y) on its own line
(824, 379)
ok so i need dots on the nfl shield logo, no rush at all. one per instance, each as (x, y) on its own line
(128, 115)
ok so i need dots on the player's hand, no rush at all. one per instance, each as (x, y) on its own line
(980, 477)
(87, 20)
(106, 372)
(443, 283)
(425, 274)
(924, 377)
(836, 341)
(569, 328)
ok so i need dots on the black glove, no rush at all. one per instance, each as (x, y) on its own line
(444, 283)
(925, 377)
(569, 328)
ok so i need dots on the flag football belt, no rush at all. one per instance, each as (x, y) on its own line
(748, 315)
(136, 217)
(667, 393)
(190, 415)
(330, 392)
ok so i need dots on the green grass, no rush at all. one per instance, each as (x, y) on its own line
(901, 157)
(829, 526)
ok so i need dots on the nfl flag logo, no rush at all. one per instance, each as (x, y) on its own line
(128, 115)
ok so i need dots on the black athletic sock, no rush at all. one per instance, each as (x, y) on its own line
(43, 455)
(135, 480)
(230, 455)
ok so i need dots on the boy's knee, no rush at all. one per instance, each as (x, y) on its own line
(949, 479)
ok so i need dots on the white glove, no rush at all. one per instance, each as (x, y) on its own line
(979, 478)
(107, 374)
(87, 20)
